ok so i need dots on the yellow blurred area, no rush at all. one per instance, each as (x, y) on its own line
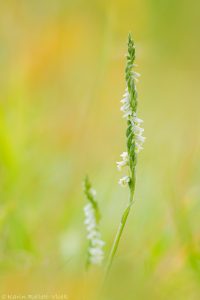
(62, 77)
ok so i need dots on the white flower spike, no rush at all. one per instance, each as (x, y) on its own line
(135, 140)
(129, 109)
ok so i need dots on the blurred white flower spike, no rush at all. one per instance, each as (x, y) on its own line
(92, 217)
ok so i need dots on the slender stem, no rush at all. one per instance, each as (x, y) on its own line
(119, 232)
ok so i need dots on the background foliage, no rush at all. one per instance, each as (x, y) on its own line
(62, 65)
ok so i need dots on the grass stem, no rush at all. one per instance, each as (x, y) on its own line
(119, 232)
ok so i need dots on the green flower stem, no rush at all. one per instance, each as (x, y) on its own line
(121, 226)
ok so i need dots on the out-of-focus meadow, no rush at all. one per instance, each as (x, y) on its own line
(62, 77)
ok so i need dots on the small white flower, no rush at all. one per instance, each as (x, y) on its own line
(120, 164)
(124, 181)
(127, 114)
(125, 108)
(93, 234)
(98, 242)
(124, 162)
(140, 138)
(93, 192)
(87, 209)
(138, 131)
(135, 75)
(96, 258)
(125, 96)
(124, 155)
(96, 251)
(91, 226)
(137, 120)
(138, 148)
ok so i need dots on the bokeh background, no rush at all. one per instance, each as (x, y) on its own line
(62, 77)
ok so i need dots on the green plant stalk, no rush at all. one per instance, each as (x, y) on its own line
(121, 225)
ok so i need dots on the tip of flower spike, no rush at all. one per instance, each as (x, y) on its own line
(130, 39)
(131, 46)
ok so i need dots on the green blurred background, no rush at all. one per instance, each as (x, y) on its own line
(62, 77)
